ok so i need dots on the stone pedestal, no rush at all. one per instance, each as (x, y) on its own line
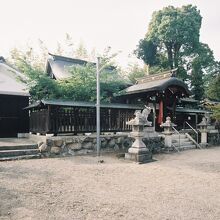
(204, 139)
(138, 152)
(203, 130)
(168, 140)
(168, 125)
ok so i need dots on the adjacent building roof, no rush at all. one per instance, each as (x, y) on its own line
(157, 82)
(82, 104)
(10, 84)
(57, 66)
(190, 110)
(189, 100)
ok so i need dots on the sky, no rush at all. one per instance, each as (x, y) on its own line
(99, 24)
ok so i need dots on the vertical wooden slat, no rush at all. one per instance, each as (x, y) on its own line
(78, 120)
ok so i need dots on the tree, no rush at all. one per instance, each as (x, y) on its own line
(172, 41)
(39, 84)
(213, 91)
(147, 51)
(81, 52)
(174, 30)
(202, 60)
(35, 57)
(216, 112)
(135, 71)
(171, 31)
(80, 87)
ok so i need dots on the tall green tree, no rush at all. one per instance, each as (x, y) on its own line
(134, 71)
(213, 91)
(172, 41)
(173, 30)
(201, 63)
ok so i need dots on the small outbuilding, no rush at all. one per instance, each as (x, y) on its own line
(13, 98)
(167, 96)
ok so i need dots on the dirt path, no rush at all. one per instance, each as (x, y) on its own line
(176, 186)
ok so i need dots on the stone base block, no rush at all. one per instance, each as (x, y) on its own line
(139, 158)
(203, 145)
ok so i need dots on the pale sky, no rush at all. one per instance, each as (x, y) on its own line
(97, 23)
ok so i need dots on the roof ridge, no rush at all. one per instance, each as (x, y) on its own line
(157, 76)
(69, 59)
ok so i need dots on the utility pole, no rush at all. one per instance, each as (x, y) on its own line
(98, 106)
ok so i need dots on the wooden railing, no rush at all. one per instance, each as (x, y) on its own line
(39, 121)
(79, 120)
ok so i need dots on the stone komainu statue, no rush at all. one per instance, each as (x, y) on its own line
(141, 117)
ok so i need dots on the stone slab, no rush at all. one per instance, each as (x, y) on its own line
(139, 158)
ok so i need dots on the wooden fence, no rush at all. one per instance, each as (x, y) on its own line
(79, 120)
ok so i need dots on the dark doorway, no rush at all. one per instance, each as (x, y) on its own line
(13, 119)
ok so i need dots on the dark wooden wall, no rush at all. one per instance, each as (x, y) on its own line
(79, 120)
(13, 119)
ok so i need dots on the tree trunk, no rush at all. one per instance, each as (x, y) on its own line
(169, 54)
(176, 54)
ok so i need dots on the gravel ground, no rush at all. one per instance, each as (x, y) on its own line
(183, 185)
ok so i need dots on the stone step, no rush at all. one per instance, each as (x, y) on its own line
(22, 157)
(188, 147)
(12, 153)
(182, 142)
(19, 147)
(177, 136)
(189, 143)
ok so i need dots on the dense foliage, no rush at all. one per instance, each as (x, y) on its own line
(216, 112)
(171, 32)
(81, 86)
(172, 41)
(213, 91)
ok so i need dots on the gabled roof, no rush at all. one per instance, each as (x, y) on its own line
(57, 66)
(156, 82)
(58, 102)
(10, 84)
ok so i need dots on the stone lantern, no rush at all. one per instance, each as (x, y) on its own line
(168, 131)
(203, 129)
(138, 152)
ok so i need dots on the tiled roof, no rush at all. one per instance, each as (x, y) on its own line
(58, 65)
(66, 103)
(158, 84)
(9, 81)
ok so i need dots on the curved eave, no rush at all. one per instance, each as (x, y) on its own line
(159, 85)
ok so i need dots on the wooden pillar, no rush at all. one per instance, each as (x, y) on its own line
(160, 115)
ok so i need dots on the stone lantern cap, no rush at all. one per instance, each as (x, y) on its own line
(167, 123)
(203, 123)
